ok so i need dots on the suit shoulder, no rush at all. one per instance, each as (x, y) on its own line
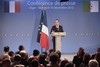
(53, 26)
(60, 26)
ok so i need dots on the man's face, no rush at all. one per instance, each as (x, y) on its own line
(56, 22)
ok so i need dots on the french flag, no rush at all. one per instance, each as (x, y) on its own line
(43, 34)
(11, 6)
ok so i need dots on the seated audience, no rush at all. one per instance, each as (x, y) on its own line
(51, 59)
(77, 60)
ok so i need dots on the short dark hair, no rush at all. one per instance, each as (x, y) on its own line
(36, 52)
(21, 47)
(51, 50)
(17, 58)
(34, 63)
(11, 53)
(69, 64)
(6, 62)
(58, 20)
(54, 57)
(6, 48)
(59, 53)
(42, 57)
(63, 63)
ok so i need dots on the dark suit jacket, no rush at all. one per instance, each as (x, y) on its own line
(55, 29)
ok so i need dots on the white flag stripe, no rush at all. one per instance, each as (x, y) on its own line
(94, 6)
(45, 29)
(12, 6)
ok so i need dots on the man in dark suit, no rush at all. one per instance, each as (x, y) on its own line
(56, 28)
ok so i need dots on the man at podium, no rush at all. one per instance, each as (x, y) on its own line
(56, 28)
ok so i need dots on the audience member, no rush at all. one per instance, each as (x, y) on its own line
(59, 55)
(98, 58)
(77, 60)
(11, 54)
(98, 51)
(6, 63)
(6, 49)
(34, 56)
(42, 60)
(93, 63)
(63, 63)
(17, 60)
(54, 58)
(69, 64)
(86, 59)
(21, 47)
(24, 58)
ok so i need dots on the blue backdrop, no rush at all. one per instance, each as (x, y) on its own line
(82, 28)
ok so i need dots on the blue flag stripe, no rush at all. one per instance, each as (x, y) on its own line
(6, 6)
(43, 20)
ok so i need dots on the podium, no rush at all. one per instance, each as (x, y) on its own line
(58, 36)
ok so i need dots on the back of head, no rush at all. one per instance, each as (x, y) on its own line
(17, 58)
(51, 51)
(59, 53)
(23, 54)
(11, 53)
(81, 52)
(42, 57)
(69, 65)
(93, 63)
(98, 50)
(63, 63)
(6, 63)
(45, 53)
(34, 63)
(36, 52)
(6, 49)
(21, 47)
(54, 57)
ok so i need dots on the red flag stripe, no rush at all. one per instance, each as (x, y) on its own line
(44, 41)
(44, 38)
(17, 6)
